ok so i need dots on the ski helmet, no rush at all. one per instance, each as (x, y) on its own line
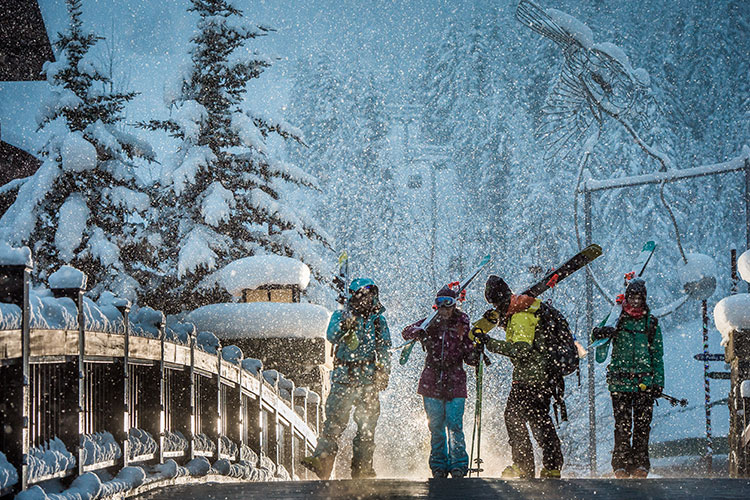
(497, 292)
(636, 287)
(447, 291)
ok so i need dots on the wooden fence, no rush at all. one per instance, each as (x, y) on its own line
(158, 398)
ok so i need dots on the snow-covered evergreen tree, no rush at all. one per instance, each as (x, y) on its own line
(223, 196)
(84, 206)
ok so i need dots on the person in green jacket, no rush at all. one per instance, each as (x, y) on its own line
(635, 377)
(530, 393)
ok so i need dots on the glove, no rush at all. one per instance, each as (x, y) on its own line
(477, 336)
(381, 379)
(492, 316)
(347, 323)
(603, 332)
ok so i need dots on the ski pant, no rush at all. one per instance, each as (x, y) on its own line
(447, 415)
(633, 412)
(366, 403)
(530, 404)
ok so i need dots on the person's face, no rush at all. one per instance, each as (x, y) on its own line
(445, 312)
(637, 301)
(362, 298)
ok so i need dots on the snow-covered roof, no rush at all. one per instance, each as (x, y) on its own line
(10, 256)
(67, 277)
(731, 314)
(262, 320)
(253, 272)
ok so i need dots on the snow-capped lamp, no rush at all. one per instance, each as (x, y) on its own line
(68, 282)
(698, 276)
(743, 266)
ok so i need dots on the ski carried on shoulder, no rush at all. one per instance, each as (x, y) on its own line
(408, 346)
(570, 266)
(639, 267)
(579, 260)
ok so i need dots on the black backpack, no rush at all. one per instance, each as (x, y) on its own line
(560, 352)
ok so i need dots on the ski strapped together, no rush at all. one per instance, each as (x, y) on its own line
(552, 278)
(639, 267)
(408, 346)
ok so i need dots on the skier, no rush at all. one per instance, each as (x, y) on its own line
(530, 393)
(635, 377)
(443, 382)
(361, 370)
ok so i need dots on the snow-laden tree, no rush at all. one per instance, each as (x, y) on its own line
(84, 206)
(223, 195)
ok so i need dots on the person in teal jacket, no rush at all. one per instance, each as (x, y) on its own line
(635, 377)
(361, 370)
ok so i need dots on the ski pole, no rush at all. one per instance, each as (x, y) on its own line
(674, 401)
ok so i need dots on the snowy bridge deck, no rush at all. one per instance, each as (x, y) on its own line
(583, 489)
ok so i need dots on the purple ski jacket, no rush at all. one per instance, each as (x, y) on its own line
(447, 347)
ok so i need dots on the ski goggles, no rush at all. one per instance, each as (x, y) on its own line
(445, 301)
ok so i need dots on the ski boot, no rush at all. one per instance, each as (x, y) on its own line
(439, 474)
(457, 473)
(549, 474)
(622, 474)
(639, 473)
(515, 471)
(321, 465)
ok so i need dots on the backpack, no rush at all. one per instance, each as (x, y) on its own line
(560, 353)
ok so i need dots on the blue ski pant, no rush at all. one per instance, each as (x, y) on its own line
(447, 416)
(366, 403)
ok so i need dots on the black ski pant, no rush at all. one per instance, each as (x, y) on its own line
(530, 404)
(633, 412)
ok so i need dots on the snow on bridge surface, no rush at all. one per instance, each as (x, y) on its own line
(570, 489)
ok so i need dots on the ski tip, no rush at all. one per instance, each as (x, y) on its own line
(485, 260)
(649, 246)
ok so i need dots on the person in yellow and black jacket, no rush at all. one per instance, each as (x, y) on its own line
(635, 377)
(530, 393)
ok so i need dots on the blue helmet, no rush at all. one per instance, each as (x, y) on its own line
(358, 283)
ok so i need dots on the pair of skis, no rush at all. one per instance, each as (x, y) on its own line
(639, 267)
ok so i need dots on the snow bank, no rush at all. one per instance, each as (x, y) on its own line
(10, 256)
(743, 265)
(8, 473)
(262, 320)
(180, 332)
(253, 272)
(67, 277)
(732, 313)
(127, 479)
(698, 276)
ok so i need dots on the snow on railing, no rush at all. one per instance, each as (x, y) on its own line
(8, 473)
(140, 443)
(175, 441)
(49, 459)
(99, 447)
(204, 444)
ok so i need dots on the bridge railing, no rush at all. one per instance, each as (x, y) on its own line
(78, 400)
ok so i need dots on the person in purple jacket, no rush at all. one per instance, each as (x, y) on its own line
(443, 382)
